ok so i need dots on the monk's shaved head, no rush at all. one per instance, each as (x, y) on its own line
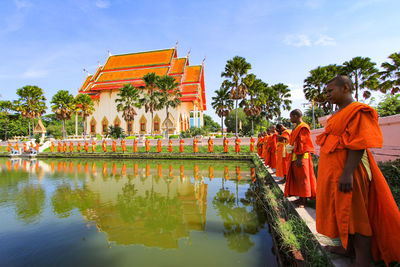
(296, 112)
(342, 80)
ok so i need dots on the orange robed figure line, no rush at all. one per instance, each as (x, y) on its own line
(226, 147)
(86, 146)
(281, 153)
(64, 146)
(170, 145)
(195, 147)
(270, 157)
(37, 147)
(300, 180)
(181, 142)
(16, 147)
(114, 146)
(265, 147)
(354, 201)
(104, 146)
(159, 143)
(59, 147)
(135, 149)
(210, 145)
(237, 144)
(9, 147)
(123, 145)
(51, 147)
(252, 144)
(25, 148)
(71, 147)
(79, 147)
(93, 146)
(147, 144)
(259, 145)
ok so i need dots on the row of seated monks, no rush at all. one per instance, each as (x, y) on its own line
(64, 147)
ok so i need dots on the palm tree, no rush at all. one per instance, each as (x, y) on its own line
(364, 73)
(252, 106)
(63, 106)
(127, 101)
(5, 108)
(151, 99)
(169, 93)
(283, 96)
(222, 104)
(390, 76)
(85, 107)
(31, 103)
(235, 69)
(268, 99)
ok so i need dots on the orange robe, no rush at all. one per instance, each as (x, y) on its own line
(210, 145)
(16, 147)
(79, 147)
(226, 147)
(94, 146)
(181, 145)
(170, 146)
(281, 154)
(71, 147)
(86, 146)
(252, 144)
(272, 150)
(195, 147)
(370, 208)
(8, 147)
(300, 181)
(135, 149)
(237, 145)
(123, 146)
(65, 147)
(114, 146)
(37, 147)
(265, 146)
(51, 147)
(59, 147)
(259, 146)
(159, 145)
(104, 146)
(26, 149)
(147, 143)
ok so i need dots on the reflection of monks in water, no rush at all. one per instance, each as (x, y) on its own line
(135, 169)
(51, 165)
(182, 171)
(25, 163)
(71, 167)
(211, 172)
(226, 173)
(94, 168)
(253, 174)
(238, 174)
(78, 166)
(170, 171)
(159, 170)
(196, 172)
(147, 170)
(114, 169)
(16, 165)
(59, 166)
(37, 166)
(8, 164)
(86, 168)
(65, 167)
(105, 168)
(123, 170)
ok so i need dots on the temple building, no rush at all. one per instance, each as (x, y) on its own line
(103, 86)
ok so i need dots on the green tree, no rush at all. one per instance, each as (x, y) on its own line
(85, 107)
(63, 105)
(284, 95)
(364, 73)
(115, 132)
(252, 105)
(127, 101)
(235, 71)
(222, 104)
(390, 76)
(269, 100)
(5, 108)
(31, 103)
(390, 105)
(151, 99)
(170, 95)
(210, 124)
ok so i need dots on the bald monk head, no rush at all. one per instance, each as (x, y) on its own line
(279, 128)
(272, 128)
(295, 116)
(339, 91)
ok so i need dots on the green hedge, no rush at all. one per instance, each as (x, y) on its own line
(158, 137)
(174, 136)
(130, 137)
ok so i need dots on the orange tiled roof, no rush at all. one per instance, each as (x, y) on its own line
(94, 77)
(190, 88)
(192, 74)
(130, 74)
(151, 58)
(177, 65)
(109, 86)
(85, 83)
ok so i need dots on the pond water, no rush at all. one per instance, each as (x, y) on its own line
(131, 213)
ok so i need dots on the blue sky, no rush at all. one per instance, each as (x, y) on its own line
(48, 43)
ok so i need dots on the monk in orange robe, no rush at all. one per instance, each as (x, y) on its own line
(37, 147)
(159, 142)
(226, 147)
(104, 146)
(9, 147)
(86, 146)
(181, 142)
(32, 146)
(195, 146)
(51, 147)
(170, 145)
(58, 146)
(210, 145)
(93, 146)
(25, 148)
(237, 144)
(300, 180)
(114, 146)
(16, 147)
(272, 140)
(252, 144)
(147, 144)
(135, 149)
(79, 147)
(71, 147)
(65, 147)
(123, 146)
(258, 144)
(265, 148)
(354, 201)
(281, 153)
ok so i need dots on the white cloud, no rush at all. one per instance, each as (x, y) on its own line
(314, 4)
(22, 4)
(102, 4)
(325, 40)
(297, 40)
(30, 73)
(296, 91)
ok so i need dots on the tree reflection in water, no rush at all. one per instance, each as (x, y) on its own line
(29, 203)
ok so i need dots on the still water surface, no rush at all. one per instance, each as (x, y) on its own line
(131, 213)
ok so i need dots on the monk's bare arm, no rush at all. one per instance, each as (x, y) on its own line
(346, 179)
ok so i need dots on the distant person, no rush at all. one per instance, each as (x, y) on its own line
(114, 146)
(210, 145)
(226, 147)
(135, 146)
(71, 147)
(271, 150)
(59, 148)
(237, 144)
(147, 145)
(104, 146)
(354, 201)
(170, 145)
(159, 143)
(86, 146)
(64, 146)
(51, 147)
(79, 147)
(93, 146)
(252, 140)
(181, 142)
(123, 145)
(281, 153)
(300, 180)
(195, 146)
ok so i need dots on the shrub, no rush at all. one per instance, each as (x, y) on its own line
(158, 137)
(391, 171)
(229, 135)
(186, 134)
(218, 136)
(131, 137)
(116, 132)
(174, 136)
(149, 137)
(98, 137)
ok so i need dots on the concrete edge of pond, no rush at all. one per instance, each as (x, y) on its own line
(264, 178)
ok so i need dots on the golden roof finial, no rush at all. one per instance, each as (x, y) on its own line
(109, 53)
(190, 50)
(204, 59)
(87, 72)
(176, 44)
